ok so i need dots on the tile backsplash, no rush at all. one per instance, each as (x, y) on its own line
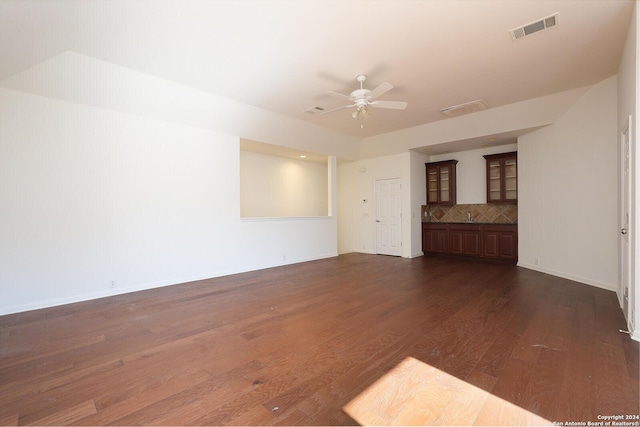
(480, 213)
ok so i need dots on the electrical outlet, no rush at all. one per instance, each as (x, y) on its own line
(112, 284)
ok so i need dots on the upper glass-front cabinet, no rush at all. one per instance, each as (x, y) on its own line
(502, 177)
(441, 182)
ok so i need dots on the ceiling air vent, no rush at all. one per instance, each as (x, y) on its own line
(466, 108)
(534, 27)
(314, 110)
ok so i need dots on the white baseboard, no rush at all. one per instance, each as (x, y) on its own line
(635, 335)
(597, 284)
(365, 251)
(416, 255)
(54, 302)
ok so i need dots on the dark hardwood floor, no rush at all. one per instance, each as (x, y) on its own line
(293, 345)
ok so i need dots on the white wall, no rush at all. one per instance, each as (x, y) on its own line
(349, 208)
(628, 99)
(357, 232)
(77, 78)
(471, 172)
(272, 186)
(529, 114)
(112, 174)
(418, 198)
(568, 198)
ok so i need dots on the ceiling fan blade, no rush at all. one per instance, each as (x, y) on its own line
(394, 105)
(338, 95)
(339, 108)
(382, 89)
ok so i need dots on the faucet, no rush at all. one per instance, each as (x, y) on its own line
(469, 217)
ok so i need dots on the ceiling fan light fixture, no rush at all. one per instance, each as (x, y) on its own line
(363, 98)
(361, 112)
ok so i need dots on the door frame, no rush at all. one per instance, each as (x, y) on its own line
(626, 221)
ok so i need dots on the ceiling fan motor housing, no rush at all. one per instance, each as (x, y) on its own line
(361, 102)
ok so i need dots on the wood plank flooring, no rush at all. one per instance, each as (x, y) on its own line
(294, 345)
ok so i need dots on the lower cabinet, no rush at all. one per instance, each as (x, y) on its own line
(434, 238)
(500, 242)
(493, 241)
(465, 240)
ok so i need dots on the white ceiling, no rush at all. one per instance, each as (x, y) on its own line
(283, 55)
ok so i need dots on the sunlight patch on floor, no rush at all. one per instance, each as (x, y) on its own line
(415, 393)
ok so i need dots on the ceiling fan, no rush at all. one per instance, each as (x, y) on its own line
(363, 98)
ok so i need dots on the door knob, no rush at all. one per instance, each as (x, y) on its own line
(624, 231)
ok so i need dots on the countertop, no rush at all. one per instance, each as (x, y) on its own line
(471, 223)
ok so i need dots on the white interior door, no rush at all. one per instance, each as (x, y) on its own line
(388, 217)
(625, 200)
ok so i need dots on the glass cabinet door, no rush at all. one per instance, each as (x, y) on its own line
(444, 185)
(432, 185)
(502, 177)
(510, 180)
(441, 182)
(495, 186)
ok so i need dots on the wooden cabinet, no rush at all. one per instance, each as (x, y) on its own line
(502, 177)
(464, 239)
(434, 238)
(500, 242)
(441, 182)
(490, 241)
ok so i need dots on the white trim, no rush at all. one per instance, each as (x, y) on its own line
(635, 335)
(601, 285)
(620, 298)
(365, 251)
(626, 136)
(143, 287)
(282, 218)
(416, 255)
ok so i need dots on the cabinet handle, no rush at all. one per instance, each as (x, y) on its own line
(624, 231)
